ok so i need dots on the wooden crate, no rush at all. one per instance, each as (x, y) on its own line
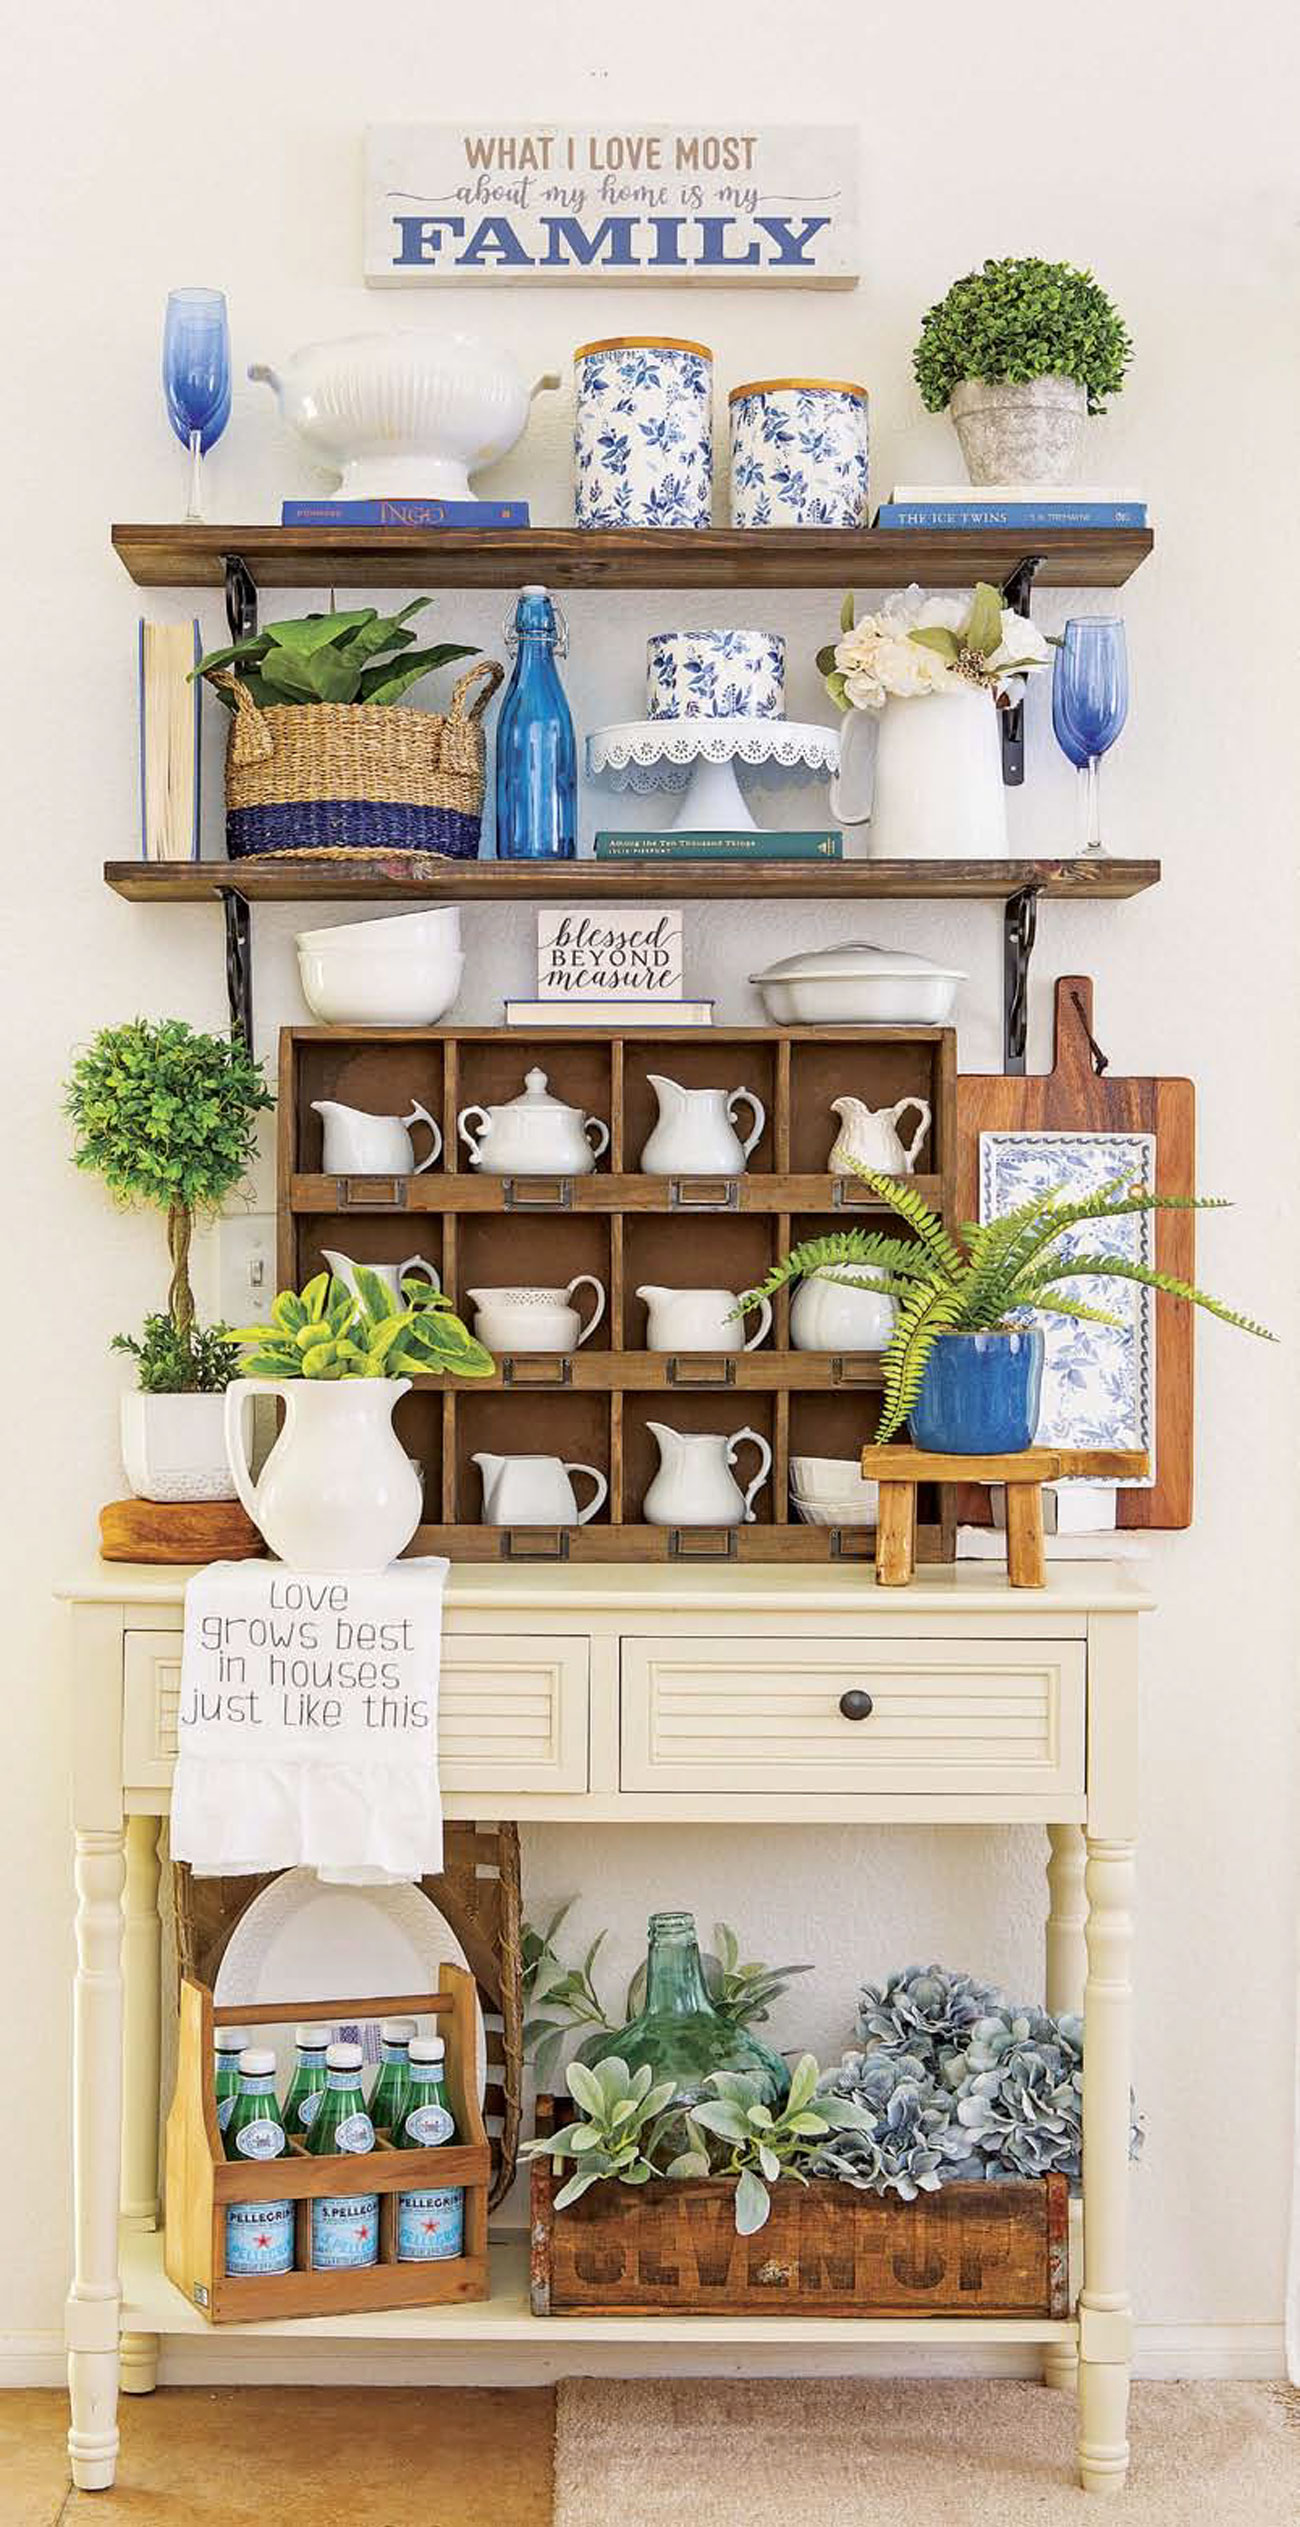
(826, 2250)
(595, 1404)
(201, 2180)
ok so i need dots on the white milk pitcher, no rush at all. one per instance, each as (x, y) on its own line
(926, 774)
(698, 1320)
(535, 1319)
(338, 1491)
(344, 1269)
(358, 1144)
(694, 1486)
(535, 1491)
(872, 1139)
(696, 1133)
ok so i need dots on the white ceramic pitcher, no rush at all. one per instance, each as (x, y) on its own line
(358, 1144)
(534, 1319)
(872, 1138)
(927, 776)
(338, 1491)
(695, 1486)
(520, 1491)
(828, 1313)
(696, 1132)
(344, 1269)
(698, 1320)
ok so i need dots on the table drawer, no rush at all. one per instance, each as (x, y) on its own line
(512, 1711)
(763, 1715)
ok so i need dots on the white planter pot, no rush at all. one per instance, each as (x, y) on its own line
(174, 1447)
(337, 1492)
(934, 790)
(1019, 434)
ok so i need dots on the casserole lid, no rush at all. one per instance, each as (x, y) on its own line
(854, 958)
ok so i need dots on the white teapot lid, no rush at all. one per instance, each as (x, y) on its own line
(536, 1095)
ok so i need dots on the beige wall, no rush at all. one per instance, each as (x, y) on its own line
(165, 144)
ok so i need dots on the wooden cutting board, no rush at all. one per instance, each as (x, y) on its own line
(177, 1531)
(1073, 1097)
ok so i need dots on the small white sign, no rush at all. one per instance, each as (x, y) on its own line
(659, 202)
(632, 954)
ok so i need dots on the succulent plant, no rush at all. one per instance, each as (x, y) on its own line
(622, 2126)
(760, 2143)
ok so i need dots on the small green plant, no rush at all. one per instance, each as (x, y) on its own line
(363, 656)
(201, 1361)
(564, 1998)
(984, 1279)
(760, 2144)
(1018, 319)
(324, 1331)
(168, 1117)
(624, 2121)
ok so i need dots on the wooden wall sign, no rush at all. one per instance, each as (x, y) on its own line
(624, 953)
(582, 202)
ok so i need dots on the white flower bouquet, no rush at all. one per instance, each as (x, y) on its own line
(918, 645)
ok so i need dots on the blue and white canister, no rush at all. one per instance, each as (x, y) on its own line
(799, 448)
(715, 675)
(643, 432)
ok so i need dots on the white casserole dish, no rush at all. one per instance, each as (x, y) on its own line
(857, 985)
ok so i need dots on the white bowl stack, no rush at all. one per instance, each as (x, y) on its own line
(830, 1492)
(400, 972)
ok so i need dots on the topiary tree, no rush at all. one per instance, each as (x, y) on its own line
(1019, 319)
(167, 1117)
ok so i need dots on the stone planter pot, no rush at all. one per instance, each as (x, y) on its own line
(174, 1447)
(980, 1394)
(1019, 434)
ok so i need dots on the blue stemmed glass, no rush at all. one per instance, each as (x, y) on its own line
(196, 377)
(1090, 703)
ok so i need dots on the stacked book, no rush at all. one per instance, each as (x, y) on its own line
(167, 655)
(752, 844)
(1010, 508)
(488, 516)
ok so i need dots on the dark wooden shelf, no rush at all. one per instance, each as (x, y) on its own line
(171, 556)
(605, 881)
(763, 1371)
(439, 1191)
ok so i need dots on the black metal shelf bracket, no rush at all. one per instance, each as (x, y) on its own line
(239, 963)
(1020, 928)
(1017, 588)
(241, 597)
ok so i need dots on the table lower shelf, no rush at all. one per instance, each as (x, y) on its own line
(152, 2304)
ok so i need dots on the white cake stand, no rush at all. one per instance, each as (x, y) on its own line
(701, 758)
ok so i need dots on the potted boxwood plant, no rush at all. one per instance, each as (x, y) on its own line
(1019, 353)
(168, 1117)
(964, 1364)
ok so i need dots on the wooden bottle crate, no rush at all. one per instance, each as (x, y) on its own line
(594, 1405)
(826, 2249)
(201, 2181)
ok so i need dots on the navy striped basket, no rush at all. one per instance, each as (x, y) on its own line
(351, 777)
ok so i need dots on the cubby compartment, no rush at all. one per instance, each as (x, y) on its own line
(708, 1252)
(880, 1067)
(490, 1068)
(382, 1071)
(839, 1426)
(574, 1426)
(718, 1059)
(695, 1414)
(536, 1250)
(418, 1421)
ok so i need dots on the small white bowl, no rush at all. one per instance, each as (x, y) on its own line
(397, 934)
(823, 1513)
(350, 987)
(834, 1479)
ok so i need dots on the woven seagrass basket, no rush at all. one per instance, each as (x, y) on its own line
(349, 777)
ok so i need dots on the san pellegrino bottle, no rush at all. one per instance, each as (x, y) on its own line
(227, 2045)
(537, 759)
(679, 2032)
(344, 2227)
(431, 2218)
(394, 2036)
(259, 2235)
(307, 2086)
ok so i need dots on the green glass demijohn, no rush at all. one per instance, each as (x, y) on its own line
(679, 2033)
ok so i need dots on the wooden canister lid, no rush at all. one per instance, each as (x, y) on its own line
(643, 342)
(818, 385)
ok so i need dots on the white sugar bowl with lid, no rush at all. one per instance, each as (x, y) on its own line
(535, 1134)
(643, 432)
(799, 450)
(858, 985)
(715, 675)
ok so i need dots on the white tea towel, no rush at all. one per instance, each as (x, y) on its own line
(308, 1722)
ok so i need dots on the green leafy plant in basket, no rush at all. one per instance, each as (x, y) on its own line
(326, 1331)
(986, 1279)
(361, 656)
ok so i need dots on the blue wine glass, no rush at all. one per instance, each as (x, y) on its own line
(1090, 703)
(196, 378)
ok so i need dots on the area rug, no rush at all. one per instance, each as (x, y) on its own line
(700, 2452)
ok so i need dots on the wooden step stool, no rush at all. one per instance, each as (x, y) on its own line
(898, 1470)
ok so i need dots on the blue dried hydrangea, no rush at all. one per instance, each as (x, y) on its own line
(915, 2135)
(921, 2006)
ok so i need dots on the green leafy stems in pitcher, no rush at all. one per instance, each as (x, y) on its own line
(679, 2033)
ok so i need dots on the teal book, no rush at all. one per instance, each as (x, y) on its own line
(719, 846)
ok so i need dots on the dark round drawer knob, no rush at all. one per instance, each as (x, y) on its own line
(855, 1704)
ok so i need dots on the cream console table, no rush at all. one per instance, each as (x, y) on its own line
(764, 1695)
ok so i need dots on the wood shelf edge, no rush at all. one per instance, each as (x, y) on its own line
(495, 881)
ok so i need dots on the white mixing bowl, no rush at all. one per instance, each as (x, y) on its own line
(357, 986)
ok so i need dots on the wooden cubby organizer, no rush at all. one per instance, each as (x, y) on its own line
(594, 1405)
(201, 2180)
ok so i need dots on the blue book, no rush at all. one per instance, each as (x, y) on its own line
(429, 514)
(970, 517)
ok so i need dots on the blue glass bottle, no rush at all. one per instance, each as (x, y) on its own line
(537, 761)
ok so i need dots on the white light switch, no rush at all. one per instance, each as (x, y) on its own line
(246, 1267)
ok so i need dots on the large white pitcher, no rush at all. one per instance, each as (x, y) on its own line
(695, 1486)
(934, 791)
(338, 1491)
(696, 1132)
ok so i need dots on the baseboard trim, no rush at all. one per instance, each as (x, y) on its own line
(1162, 2351)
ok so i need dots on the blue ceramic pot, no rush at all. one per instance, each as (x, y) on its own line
(980, 1394)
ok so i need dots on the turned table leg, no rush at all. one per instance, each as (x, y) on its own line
(1026, 1557)
(1066, 1960)
(896, 1534)
(141, 2058)
(94, 2301)
(1105, 2322)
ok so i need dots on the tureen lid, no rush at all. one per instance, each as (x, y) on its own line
(851, 957)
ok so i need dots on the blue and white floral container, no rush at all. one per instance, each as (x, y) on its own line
(715, 675)
(799, 452)
(643, 433)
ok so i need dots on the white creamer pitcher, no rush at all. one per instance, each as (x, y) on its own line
(338, 1491)
(696, 1132)
(871, 1138)
(344, 1269)
(358, 1144)
(695, 1486)
(698, 1320)
(522, 1491)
